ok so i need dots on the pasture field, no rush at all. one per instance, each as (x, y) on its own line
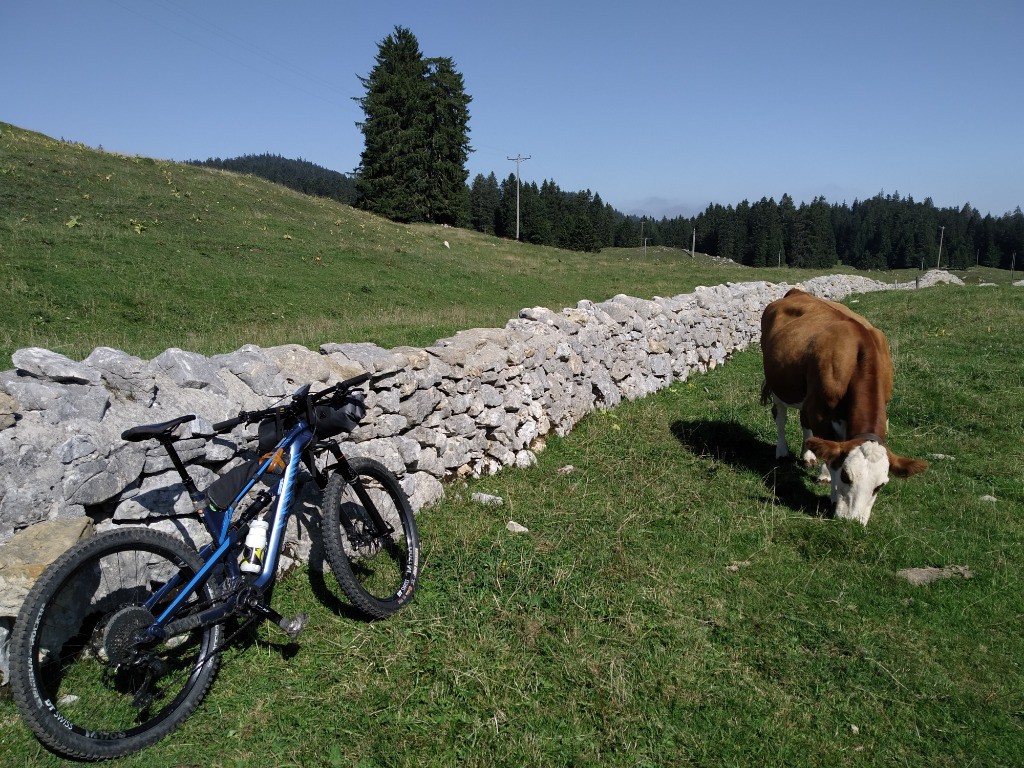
(678, 599)
(99, 249)
(142, 255)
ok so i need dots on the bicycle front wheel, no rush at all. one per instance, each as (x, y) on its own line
(376, 570)
(87, 681)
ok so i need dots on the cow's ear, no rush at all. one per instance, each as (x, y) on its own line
(827, 451)
(902, 467)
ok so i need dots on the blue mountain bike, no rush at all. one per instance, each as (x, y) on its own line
(120, 639)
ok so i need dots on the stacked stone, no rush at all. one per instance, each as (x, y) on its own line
(468, 405)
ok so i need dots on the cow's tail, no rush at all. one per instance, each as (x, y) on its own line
(766, 393)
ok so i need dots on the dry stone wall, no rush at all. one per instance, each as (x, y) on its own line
(471, 404)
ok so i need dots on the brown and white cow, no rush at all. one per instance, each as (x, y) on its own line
(832, 365)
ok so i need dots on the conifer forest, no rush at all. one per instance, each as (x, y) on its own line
(413, 169)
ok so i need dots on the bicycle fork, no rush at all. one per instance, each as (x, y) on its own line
(383, 527)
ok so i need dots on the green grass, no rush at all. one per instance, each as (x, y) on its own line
(100, 249)
(678, 600)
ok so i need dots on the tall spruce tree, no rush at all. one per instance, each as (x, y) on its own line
(449, 144)
(416, 135)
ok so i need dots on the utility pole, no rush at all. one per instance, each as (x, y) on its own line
(942, 231)
(518, 159)
(693, 246)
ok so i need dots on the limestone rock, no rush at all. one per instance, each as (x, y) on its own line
(51, 366)
(298, 365)
(24, 558)
(8, 410)
(363, 356)
(255, 369)
(127, 376)
(487, 499)
(422, 489)
(189, 370)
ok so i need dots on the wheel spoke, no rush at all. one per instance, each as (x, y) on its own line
(89, 680)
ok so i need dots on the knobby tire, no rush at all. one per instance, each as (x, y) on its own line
(84, 684)
(378, 574)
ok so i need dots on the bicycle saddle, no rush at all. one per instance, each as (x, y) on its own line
(148, 431)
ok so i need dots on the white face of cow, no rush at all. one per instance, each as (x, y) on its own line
(857, 481)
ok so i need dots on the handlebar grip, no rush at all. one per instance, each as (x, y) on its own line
(341, 388)
(227, 426)
(355, 381)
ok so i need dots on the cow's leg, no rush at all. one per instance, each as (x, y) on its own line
(808, 457)
(825, 476)
(779, 412)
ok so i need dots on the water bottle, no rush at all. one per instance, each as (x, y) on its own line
(255, 547)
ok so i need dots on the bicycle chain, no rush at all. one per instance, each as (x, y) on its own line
(202, 605)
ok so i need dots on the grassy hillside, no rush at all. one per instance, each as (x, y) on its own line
(677, 600)
(139, 254)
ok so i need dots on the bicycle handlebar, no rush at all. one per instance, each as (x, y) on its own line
(344, 386)
(227, 426)
(298, 406)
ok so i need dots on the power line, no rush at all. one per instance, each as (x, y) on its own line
(519, 159)
(195, 19)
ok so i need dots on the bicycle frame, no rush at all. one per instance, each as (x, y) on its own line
(244, 592)
(226, 536)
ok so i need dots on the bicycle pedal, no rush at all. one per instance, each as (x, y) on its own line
(293, 626)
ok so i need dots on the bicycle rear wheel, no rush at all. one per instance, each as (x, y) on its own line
(377, 572)
(85, 680)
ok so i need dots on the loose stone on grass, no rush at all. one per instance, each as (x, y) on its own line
(921, 576)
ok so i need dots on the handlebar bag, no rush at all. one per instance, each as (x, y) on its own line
(270, 432)
(333, 418)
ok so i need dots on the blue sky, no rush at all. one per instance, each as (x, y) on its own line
(661, 107)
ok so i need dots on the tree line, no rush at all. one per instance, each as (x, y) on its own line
(300, 175)
(884, 232)
(577, 221)
(413, 169)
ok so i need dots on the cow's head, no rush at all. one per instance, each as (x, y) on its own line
(858, 469)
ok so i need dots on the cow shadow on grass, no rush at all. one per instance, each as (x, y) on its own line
(787, 481)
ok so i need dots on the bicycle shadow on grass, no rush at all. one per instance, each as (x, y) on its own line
(734, 444)
(309, 516)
